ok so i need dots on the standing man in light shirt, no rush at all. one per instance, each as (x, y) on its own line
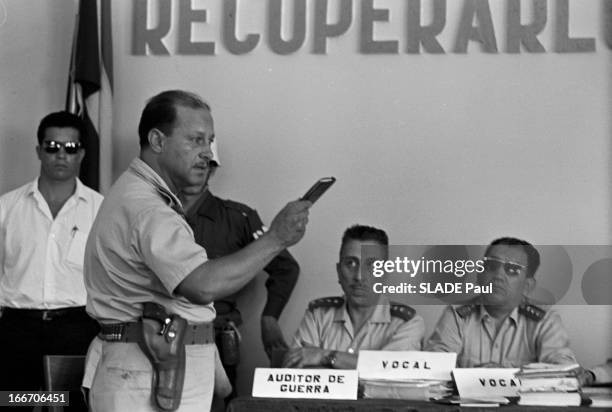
(43, 228)
(141, 254)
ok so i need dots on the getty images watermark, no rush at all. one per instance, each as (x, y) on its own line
(434, 274)
(421, 267)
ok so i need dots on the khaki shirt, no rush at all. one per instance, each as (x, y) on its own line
(139, 250)
(528, 334)
(327, 325)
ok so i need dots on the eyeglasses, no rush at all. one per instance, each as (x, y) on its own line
(53, 146)
(511, 268)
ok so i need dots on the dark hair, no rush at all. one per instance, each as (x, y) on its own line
(60, 119)
(160, 112)
(361, 232)
(533, 256)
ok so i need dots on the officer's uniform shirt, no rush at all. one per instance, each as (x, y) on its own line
(528, 334)
(327, 325)
(139, 250)
(224, 227)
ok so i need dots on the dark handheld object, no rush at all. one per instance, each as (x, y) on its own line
(317, 190)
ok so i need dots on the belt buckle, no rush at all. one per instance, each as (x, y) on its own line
(46, 315)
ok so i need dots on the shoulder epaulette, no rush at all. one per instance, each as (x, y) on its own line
(532, 312)
(237, 206)
(329, 302)
(466, 310)
(404, 312)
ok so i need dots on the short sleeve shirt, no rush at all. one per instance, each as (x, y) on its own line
(330, 327)
(526, 335)
(140, 249)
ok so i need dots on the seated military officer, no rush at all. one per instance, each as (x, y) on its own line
(503, 328)
(334, 329)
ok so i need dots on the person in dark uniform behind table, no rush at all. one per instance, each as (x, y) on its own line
(223, 227)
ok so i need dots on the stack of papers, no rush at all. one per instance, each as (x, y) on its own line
(545, 384)
(410, 389)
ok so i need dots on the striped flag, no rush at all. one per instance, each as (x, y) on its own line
(90, 86)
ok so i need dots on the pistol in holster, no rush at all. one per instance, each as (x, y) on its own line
(162, 341)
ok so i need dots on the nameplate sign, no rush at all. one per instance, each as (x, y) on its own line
(305, 383)
(401, 365)
(486, 382)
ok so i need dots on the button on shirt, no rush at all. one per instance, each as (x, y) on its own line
(41, 258)
(520, 340)
(139, 250)
(331, 328)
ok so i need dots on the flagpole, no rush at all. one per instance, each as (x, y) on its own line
(71, 104)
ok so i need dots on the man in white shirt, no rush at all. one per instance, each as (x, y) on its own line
(43, 228)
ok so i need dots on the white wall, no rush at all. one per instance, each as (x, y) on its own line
(434, 148)
(34, 58)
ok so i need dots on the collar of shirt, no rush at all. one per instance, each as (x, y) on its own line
(146, 173)
(79, 193)
(381, 314)
(485, 315)
(207, 206)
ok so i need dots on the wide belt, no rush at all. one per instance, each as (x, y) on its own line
(131, 332)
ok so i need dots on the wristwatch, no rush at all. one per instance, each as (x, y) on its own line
(330, 359)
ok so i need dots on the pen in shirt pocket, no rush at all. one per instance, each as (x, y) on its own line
(74, 230)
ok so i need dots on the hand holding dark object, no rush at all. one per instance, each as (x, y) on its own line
(289, 225)
(271, 335)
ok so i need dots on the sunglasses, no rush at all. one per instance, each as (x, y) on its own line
(512, 269)
(52, 146)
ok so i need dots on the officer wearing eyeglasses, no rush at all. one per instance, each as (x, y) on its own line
(503, 329)
(43, 228)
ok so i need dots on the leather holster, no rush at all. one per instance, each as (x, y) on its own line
(162, 341)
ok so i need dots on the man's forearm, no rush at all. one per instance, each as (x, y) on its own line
(220, 277)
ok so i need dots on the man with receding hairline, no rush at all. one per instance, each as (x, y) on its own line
(142, 261)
